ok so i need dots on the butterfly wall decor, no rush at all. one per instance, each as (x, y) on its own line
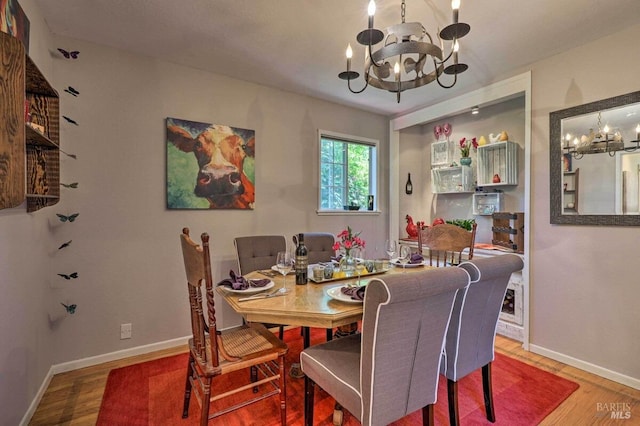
(70, 120)
(67, 244)
(73, 275)
(72, 91)
(69, 218)
(75, 157)
(73, 185)
(71, 309)
(69, 55)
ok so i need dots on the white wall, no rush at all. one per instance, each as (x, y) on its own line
(584, 282)
(125, 242)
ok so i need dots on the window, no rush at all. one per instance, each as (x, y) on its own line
(348, 171)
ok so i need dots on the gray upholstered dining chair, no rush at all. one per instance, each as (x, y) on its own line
(391, 369)
(320, 249)
(319, 246)
(471, 336)
(259, 252)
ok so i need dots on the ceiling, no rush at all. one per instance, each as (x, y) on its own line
(299, 45)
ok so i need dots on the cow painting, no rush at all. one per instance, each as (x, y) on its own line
(218, 159)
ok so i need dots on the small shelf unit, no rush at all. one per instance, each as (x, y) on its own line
(498, 158)
(452, 180)
(570, 191)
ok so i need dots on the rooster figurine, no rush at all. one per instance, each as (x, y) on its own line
(412, 229)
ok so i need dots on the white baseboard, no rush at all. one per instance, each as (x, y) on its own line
(36, 400)
(95, 360)
(587, 366)
(125, 353)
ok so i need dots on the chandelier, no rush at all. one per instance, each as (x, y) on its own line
(599, 142)
(410, 48)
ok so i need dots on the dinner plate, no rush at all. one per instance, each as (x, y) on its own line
(337, 294)
(396, 263)
(251, 290)
(275, 268)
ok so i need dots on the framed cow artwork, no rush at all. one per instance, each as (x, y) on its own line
(209, 166)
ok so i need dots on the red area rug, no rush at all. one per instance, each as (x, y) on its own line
(151, 393)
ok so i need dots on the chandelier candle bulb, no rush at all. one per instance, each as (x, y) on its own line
(638, 132)
(372, 11)
(455, 5)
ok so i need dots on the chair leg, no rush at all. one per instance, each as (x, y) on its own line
(488, 392)
(452, 395)
(254, 377)
(306, 337)
(283, 392)
(206, 401)
(427, 415)
(187, 390)
(308, 401)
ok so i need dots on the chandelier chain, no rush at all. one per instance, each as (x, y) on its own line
(403, 10)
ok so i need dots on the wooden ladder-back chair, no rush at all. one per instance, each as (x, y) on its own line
(470, 340)
(214, 353)
(446, 243)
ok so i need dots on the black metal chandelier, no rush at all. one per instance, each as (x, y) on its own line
(599, 142)
(411, 47)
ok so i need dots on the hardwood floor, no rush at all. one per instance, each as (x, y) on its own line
(74, 398)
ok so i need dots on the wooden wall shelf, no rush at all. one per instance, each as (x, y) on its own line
(24, 87)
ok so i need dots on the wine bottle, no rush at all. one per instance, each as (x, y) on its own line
(302, 261)
(408, 188)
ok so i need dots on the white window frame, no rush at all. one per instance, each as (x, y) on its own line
(373, 172)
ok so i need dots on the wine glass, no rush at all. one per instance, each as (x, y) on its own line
(284, 264)
(358, 255)
(390, 247)
(405, 256)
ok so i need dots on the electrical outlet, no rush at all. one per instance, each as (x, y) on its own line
(125, 331)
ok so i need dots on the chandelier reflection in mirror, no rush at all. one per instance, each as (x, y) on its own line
(411, 49)
(604, 140)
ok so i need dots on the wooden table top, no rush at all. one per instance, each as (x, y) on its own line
(305, 305)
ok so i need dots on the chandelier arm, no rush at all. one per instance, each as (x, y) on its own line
(373, 61)
(366, 80)
(445, 59)
(455, 80)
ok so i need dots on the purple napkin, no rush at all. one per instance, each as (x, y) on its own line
(416, 258)
(238, 282)
(356, 293)
(336, 259)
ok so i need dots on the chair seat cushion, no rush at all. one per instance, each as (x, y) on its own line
(335, 367)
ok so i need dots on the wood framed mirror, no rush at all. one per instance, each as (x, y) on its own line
(594, 161)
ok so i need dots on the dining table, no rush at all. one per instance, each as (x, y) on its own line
(307, 305)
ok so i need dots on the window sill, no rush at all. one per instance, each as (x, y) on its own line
(348, 212)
